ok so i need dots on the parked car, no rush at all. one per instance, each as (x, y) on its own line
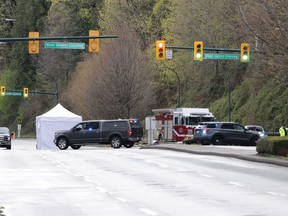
(116, 132)
(5, 138)
(257, 128)
(219, 133)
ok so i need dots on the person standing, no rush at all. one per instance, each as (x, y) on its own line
(283, 131)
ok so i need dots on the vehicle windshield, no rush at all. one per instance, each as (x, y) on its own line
(4, 131)
(196, 120)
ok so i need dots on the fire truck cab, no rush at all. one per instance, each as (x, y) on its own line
(176, 124)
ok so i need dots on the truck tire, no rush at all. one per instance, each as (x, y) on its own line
(217, 140)
(116, 142)
(62, 143)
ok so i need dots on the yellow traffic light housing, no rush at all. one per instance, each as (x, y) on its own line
(160, 50)
(94, 43)
(3, 90)
(245, 52)
(25, 92)
(198, 51)
(33, 44)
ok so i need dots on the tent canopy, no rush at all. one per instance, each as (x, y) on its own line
(58, 118)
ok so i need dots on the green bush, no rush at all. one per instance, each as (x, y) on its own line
(273, 145)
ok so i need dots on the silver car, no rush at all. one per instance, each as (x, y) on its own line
(257, 128)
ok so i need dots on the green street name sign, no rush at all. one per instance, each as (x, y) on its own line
(7, 93)
(64, 45)
(233, 56)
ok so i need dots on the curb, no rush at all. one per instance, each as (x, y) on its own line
(253, 158)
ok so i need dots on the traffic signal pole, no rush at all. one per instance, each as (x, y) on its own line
(208, 49)
(57, 38)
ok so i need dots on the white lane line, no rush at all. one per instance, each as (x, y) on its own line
(148, 211)
(162, 165)
(276, 194)
(121, 199)
(157, 163)
(101, 189)
(236, 184)
(205, 175)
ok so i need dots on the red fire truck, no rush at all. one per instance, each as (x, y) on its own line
(176, 124)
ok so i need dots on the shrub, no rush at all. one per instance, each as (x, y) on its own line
(273, 145)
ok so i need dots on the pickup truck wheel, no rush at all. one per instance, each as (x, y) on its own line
(218, 140)
(62, 143)
(129, 144)
(75, 147)
(116, 142)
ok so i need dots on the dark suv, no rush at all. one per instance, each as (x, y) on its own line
(219, 133)
(5, 138)
(116, 132)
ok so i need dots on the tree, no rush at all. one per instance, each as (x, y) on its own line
(29, 15)
(116, 83)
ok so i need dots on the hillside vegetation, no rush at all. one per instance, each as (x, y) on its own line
(124, 80)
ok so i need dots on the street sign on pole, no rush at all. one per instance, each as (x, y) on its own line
(224, 56)
(169, 54)
(9, 93)
(64, 45)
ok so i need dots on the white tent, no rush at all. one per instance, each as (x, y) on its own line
(48, 123)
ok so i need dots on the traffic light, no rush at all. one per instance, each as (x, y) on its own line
(94, 42)
(245, 52)
(33, 44)
(198, 51)
(160, 50)
(3, 90)
(25, 92)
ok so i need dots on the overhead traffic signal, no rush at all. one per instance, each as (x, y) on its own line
(245, 52)
(160, 50)
(33, 44)
(25, 92)
(3, 90)
(94, 42)
(198, 51)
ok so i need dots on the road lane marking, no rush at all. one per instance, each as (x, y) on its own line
(101, 189)
(148, 211)
(236, 184)
(205, 175)
(157, 163)
(276, 194)
(121, 199)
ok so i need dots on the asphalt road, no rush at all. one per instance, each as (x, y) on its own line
(139, 182)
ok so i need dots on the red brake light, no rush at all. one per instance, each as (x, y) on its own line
(129, 132)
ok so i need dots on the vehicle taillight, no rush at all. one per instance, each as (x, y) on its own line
(129, 132)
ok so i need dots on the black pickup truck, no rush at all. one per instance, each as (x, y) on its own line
(115, 132)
